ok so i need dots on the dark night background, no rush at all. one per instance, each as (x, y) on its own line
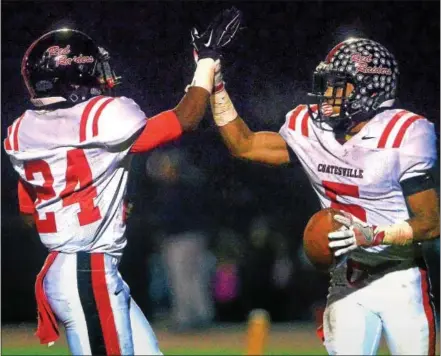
(267, 72)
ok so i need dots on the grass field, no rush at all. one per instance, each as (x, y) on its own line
(227, 339)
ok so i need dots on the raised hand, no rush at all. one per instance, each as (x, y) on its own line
(219, 33)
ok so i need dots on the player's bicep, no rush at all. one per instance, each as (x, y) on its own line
(421, 195)
(424, 210)
(424, 203)
(267, 147)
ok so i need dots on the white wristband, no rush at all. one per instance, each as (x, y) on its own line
(400, 233)
(204, 75)
(222, 107)
(218, 79)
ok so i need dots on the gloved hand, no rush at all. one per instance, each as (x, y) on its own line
(354, 233)
(219, 33)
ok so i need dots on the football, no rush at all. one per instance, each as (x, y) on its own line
(315, 238)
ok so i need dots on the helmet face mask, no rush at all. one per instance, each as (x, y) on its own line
(66, 65)
(362, 65)
(333, 93)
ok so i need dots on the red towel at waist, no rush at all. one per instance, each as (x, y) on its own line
(47, 329)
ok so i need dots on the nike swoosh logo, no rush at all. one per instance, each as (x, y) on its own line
(367, 137)
(209, 39)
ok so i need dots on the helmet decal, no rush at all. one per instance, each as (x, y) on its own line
(361, 64)
(365, 64)
(61, 58)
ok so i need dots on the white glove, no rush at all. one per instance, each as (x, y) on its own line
(354, 233)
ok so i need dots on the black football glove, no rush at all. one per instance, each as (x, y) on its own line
(219, 33)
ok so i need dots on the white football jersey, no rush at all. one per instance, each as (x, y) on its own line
(77, 162)
(363, 175)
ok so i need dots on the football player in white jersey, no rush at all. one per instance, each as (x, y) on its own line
(72, 155)
(370, 159)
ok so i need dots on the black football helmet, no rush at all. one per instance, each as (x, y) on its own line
(66, 65)
(369, 67)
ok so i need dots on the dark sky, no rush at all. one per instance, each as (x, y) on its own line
(268, 71)
(276, 54)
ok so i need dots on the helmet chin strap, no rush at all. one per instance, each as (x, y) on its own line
(39, 102)
(73, 96)
(81, 93)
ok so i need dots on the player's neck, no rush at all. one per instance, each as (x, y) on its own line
(343, 137)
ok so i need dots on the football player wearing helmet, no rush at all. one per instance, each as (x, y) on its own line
(73, 154)
(370, 159)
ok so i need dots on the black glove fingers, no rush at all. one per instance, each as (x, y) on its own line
(229, 33)
(219, 33)
(234, 20)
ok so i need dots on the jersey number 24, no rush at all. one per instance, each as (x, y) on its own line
(78, 171)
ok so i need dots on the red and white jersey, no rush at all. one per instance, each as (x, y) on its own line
(75, 162)
(363, 175)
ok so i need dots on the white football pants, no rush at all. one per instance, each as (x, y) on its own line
(397, 303)
(88, 295)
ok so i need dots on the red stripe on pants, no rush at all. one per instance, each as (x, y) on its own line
(102, 300)
(428, 310)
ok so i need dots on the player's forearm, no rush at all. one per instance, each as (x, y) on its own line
(233, 130)
(422, 226)
(425, 218)
(407, 232)
(191, 108)
(237, 137)
(404, 233)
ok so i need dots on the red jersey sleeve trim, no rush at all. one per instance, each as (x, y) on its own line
(85, 116)
(97, 116)
(293, 117)
(25, 200)
(160, 129)
(7, 142)
(390, 125)
(403, 129)
(17, 126)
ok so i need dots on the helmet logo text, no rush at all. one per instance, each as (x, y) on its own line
(361, 65)
(58, 51)
(62, 59)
